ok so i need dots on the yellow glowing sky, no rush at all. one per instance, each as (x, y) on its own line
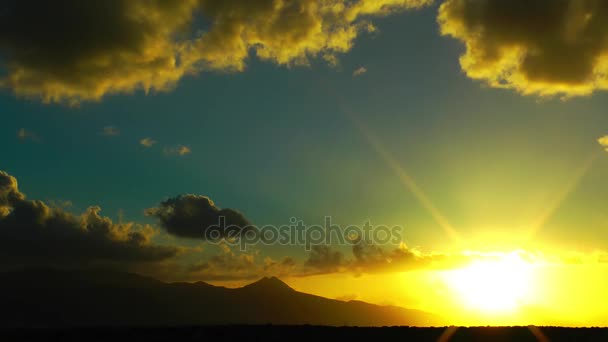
(498, 289)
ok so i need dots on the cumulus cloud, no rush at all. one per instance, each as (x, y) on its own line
(147, 142)
(67, 50)
(536, 47)
(359, 71)
(197, 217)
(73, 51)
(32, 233)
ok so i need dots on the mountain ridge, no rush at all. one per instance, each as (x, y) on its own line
(51, 298)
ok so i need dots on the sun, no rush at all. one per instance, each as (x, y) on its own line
(499, 285)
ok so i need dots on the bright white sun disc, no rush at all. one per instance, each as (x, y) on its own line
(499, 285)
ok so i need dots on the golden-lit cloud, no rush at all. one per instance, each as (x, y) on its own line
(536, 47)
(179, 150)
(287, 32)
(9, 190)
(68, 51)
(183, 150)
(147, 142)
(604, 142)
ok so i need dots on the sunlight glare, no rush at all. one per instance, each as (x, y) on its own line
(500, 285)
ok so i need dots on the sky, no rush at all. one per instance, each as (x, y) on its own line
(475, 126)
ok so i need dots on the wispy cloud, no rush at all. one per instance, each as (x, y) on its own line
(110, 131)
(179, 150)
(359, 71)
(25, 135)
(147, 142)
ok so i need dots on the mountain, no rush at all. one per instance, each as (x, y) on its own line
(58, 298)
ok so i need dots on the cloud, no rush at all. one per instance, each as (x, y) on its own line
(36, 233)
(179, 150)
(9, 190)
(67, 50)
(228, 265)
(536, 47)
(197, 217)
(71, 51)
(370, 258)
(24, 135)
(110, 131)
(604, 142)
(359, 71)
(32, 233)
(147, 142)
(325, 259)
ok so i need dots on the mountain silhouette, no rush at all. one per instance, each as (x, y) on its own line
(60, 298)
(268, 284)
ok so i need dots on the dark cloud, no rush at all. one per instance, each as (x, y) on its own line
(370, 258)
(73, 50)
(197, 217)
(70, 50)
(325, 259)
(542, 47)
(32, 233)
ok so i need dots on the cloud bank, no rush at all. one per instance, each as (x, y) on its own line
(72, 51)
(33, 233)
(69, 51)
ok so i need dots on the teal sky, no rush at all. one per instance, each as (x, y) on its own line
(274, 142)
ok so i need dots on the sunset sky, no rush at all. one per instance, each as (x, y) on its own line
(475, 125)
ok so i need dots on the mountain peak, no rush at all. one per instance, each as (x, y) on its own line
(269, 283)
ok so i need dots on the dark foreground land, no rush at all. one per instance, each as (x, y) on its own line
(308, 333)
